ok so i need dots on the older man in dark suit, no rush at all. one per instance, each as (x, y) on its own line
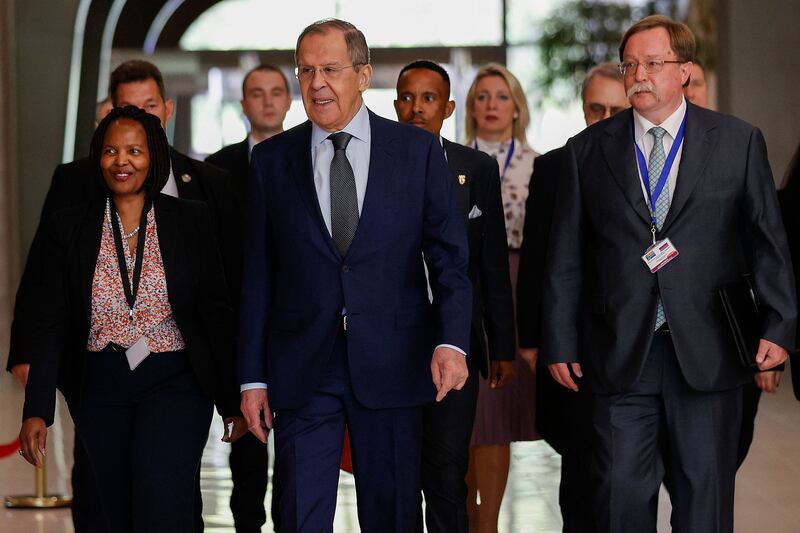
(563, 417)
(345, 211)
(658, 208)
(423, 100)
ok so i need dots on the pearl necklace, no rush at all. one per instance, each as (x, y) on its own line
(124, 235)
(131, 234)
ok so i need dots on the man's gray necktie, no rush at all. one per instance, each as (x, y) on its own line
(654, 168)
(344, 201)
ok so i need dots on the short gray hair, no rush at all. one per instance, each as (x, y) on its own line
(357, 48)
(607, 70)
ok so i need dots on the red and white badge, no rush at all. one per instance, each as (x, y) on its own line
(659, 254)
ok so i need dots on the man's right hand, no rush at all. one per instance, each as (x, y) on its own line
(560, 373)
(254, 403)
(21, 372)
(529, 355)
(769, 380)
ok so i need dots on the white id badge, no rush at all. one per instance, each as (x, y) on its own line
(137, 353)
(659, 254)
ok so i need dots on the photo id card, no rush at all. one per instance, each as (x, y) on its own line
(659, 254)
(137, 352)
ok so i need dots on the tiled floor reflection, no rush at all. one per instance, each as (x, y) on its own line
(530, 505)
(768, 484)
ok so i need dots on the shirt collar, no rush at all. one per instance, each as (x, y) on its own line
(358, 127)
(672, 124)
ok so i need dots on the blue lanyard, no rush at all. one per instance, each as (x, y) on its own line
(508, 157)
(662, 180)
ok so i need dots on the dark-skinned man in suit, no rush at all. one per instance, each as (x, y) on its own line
(423, 100)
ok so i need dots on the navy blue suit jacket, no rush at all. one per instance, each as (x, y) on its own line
(296, 283)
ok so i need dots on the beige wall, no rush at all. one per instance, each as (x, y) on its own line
(8, 212)
(43, 46)
(759, 74)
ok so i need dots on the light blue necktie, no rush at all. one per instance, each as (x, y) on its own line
(654, 168)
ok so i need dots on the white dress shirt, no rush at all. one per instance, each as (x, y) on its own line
(171, 187)
(357, 154)
(645, 142)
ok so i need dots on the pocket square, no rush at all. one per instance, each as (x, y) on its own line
(474, 212)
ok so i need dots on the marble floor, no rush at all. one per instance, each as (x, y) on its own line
(768, 484)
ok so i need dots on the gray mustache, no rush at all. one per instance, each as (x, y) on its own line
(643, 87)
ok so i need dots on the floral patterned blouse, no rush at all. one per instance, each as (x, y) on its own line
(514, 183)
(152, 314)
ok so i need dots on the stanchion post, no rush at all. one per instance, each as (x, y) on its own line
(40, 500)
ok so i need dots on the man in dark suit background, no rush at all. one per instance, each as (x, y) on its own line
(265, 101)
(138, 83)
(423, 100)
(335, 315)
(654, 347)
(764, 380)
(563, 417)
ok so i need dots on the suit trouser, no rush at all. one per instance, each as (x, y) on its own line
(701, 441)
(447, 428)
(87, 513)
(144, 432)
(249, 463)
(564, 420)
(385, 446)
(751, 395)
(575, 488)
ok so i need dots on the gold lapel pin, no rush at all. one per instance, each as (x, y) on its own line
(186, 178)
(462, 179)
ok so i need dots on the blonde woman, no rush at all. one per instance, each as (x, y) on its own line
(497, 116)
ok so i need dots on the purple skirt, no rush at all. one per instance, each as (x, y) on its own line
(507, 415)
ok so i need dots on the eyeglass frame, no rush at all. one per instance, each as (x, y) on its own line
(330, 70)
(660, 62)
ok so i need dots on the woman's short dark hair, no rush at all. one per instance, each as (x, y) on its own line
(157, 145)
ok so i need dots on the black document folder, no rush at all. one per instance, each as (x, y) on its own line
(740, 305)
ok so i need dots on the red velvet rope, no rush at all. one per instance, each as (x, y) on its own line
(9, 449)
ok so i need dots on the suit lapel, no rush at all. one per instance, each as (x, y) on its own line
(188, 184)
(381, 169)
(618, 151)
(168, 242)
(698, 145)
(303, 173)
(243, 158)
(457, 169)
(88, 250)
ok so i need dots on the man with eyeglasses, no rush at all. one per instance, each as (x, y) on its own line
(657, 208)
(345, 212)
(563, 417)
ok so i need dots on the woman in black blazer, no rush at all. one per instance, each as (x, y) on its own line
(135, 330)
